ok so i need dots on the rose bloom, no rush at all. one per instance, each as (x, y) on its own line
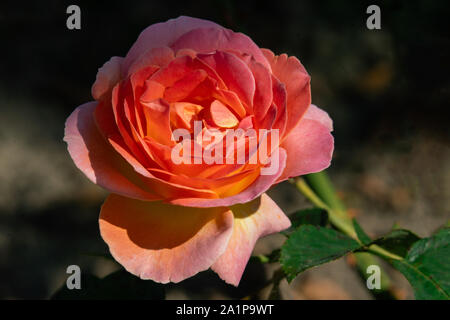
(165, 221)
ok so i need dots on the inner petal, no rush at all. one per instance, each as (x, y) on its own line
(157, 115)
(222, 116)
(183, 114)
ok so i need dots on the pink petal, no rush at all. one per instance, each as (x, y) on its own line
(183, 87)
(263, 90)
(157, 115)
(152, 57)
(210, 39)
(234, 72)
(280, 99)
(153, 90)
(107, 77)
(96, 159)
(121, 106)
(221, 186)
(310, 145)
(260, 185)
(293, 75)
(222, 116)
(163, 34)
(232, 100)
(252, 220)
(162, 242)
(111, 166)
(315, 113)
(165, 189)
(268, 120)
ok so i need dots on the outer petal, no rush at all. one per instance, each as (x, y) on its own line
(207, 39)
(315, 113)
(260, 185)
(291, 72)
(107, 77)
(164, 34)
(154, 56)
(163, 242)
(310, 144)
(96, 159)
(252, 220)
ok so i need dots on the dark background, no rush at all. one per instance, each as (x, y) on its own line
(387, 90)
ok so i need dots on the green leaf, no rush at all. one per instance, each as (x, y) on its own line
(310, 246)
(362, 235)
(427, 265)
(117, 285)
(398, 241)
(312, 216)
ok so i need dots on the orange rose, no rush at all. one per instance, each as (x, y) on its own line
(167, 220)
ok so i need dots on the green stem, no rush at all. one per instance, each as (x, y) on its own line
(336, 216)
(383, 253)
(319, 190)
(275, 294)
(342, 223)
(322, 186)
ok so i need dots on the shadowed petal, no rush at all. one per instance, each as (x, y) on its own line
(291, 72)
(152, 57)
(163, 242)
(206, 40)
(97, 159)
(260, 185)
(234, 72)
(164, 34)
(157, 115)
(263, 90)
(107, 77)
(183, 87)
(252, 220)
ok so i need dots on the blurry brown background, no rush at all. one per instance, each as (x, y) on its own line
(388, 92)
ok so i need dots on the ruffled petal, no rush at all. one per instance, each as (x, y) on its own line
(97, 160)
(163, 34)
(291, 72)
(315, 113)
(166, 189)
(310, 144)
(260, 185)
(210, 39)
(107, 77)
(152, 57)
(162, 242)
(157, 116)
(235, 74)
(183, 87)
(263, 90)
(252, 220)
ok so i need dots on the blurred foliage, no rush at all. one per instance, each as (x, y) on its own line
(387, 85)
(119, 285)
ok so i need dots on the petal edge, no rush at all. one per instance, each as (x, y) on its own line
(163, 242)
